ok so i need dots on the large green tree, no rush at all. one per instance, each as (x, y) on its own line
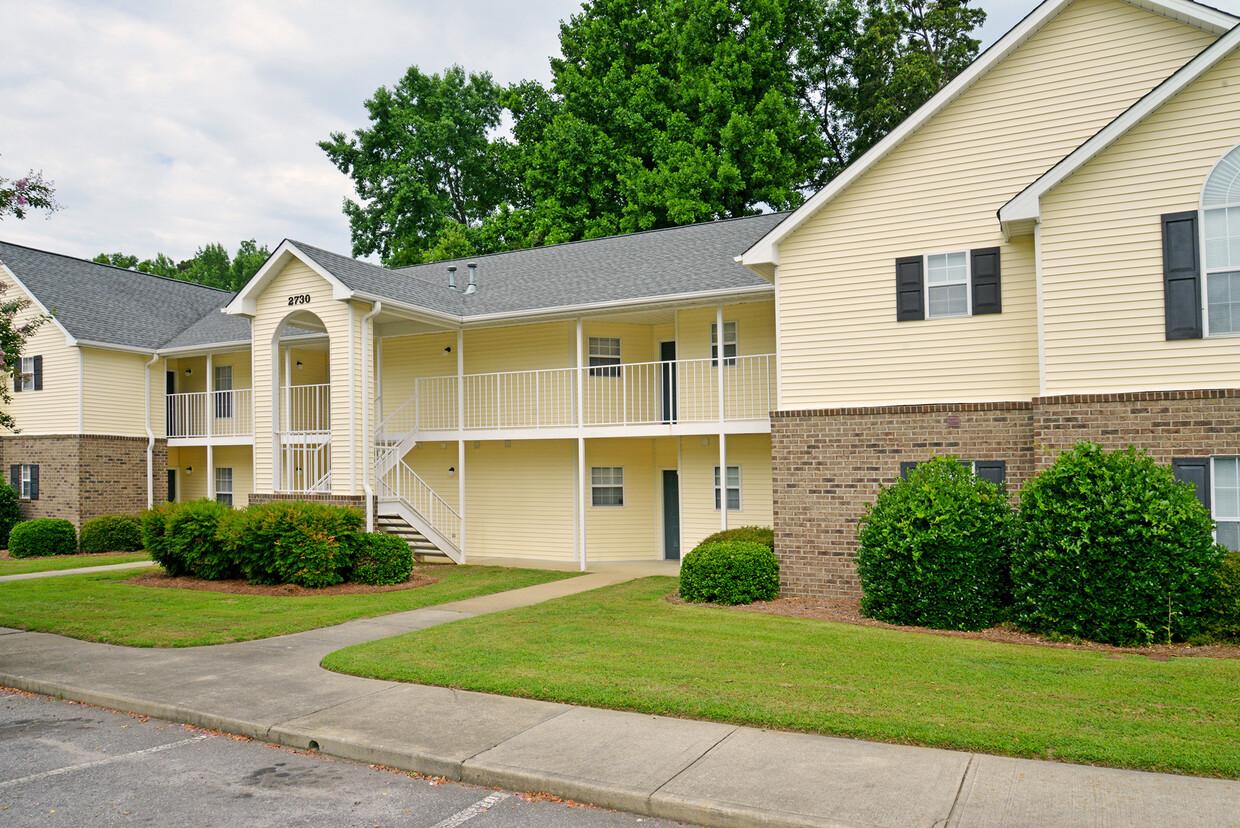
(427, 165)
(210, 265)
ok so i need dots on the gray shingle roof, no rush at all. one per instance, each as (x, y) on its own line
(110, 305)
(691, 259)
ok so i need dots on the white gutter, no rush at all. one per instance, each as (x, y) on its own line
(150, 439)
(368, 466)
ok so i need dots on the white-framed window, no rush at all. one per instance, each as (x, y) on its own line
(947, 284)
(607, 485)
(1225, 500)
(224, 485)
(604, 356)
(29, 482)
(733, 487)
(26, 382)
(730, 340)
(1220, 245)
(223, 391)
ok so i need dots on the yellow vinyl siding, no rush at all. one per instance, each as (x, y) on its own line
(240, 459)
(194, 485)
(54, 410)
(699, 518)
(631, 531)
(1102, 251)
(518, 498)
(115, 388)
(939, 192)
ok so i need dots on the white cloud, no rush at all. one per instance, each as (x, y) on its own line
(171, 125)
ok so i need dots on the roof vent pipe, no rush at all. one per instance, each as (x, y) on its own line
(452, 277)
(473, 278)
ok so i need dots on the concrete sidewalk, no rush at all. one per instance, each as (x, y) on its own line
(701, 772)
(81, 570)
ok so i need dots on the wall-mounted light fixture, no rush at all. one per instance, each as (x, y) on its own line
(189, 371)
(448, 350)
(451, 470)
(299, 366)
(189, 469)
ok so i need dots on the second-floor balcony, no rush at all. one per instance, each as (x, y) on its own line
(680, 396)
(207, 415)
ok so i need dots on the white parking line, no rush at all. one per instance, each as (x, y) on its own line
(32, 777)
(461, 817)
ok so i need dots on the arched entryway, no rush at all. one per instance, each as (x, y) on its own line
(301, 405)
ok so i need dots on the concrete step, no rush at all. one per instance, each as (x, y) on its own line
(423, 550)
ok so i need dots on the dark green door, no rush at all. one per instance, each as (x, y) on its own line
(671, 514)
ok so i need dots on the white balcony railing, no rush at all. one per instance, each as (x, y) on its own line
(305, 409)
(402, 483)
(645, 393)
(202, 414)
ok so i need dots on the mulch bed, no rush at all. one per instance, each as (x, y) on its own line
(848, 611)
(241, 587)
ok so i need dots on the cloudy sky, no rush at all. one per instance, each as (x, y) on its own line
(173, 124)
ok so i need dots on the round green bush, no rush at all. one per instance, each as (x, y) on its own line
(42, 537)
(732, 572)
(112, 533)
(154, 523)
(10, 512)
(1112, 549)
(194, 538)
(764, 535)
(308, 544)
(1224, 616)
(380, 559)
(934, 550)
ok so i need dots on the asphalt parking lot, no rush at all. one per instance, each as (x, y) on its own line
(69, 764)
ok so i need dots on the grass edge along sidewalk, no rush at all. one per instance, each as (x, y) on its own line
(627, 648)
(102, 607)
(53, 563)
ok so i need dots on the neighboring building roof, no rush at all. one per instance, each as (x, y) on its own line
(1025, 208)
(763, 255)
(108, 305)
(675, 261)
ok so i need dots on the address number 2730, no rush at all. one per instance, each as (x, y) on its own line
(299, 299)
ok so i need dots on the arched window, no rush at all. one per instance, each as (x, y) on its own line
(1220, 220)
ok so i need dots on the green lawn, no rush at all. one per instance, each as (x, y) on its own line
(625, 647)
(19, 566)
(102, 607)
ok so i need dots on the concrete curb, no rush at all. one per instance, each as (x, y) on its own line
(471, 772)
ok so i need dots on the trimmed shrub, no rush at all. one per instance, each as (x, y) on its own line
(731, 572)
(10, 512)
(764, 535)
(1224, 618)
(1112, 549)
(154, 522)
(935, 549)
(194, 539)
(42, 537)
(112, 533)
(380, 559)
(308, 544)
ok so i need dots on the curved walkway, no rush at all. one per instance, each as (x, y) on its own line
(702, 772)
(81, 570)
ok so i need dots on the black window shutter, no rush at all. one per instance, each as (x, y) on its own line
(1194, 470)
(15, 477)
(910, 293)
(34, 482)
(38, 373)
(993, 470)
(1181, 276)
(906, 467)
(987, 293)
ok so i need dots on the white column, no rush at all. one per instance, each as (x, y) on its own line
(723, 437)
(286, 466)
(583, 481)
(460, 442)
(209, 416)
(353, 436)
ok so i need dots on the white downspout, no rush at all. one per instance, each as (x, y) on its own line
(353, 401)
(723, 436)
(150, 439)
(583, 482)
(368, 467)
(460, 433)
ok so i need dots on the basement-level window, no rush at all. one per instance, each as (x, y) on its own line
(607, 485)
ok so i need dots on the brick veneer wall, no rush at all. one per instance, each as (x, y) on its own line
(827, 464)
(84, 476)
